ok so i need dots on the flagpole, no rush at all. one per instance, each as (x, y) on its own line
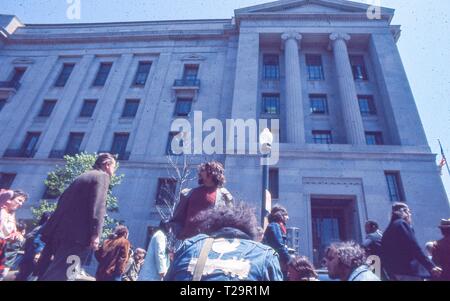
(443, 156)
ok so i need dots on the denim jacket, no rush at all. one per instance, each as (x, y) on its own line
(233, 257)
(363, 273)
(275, 238)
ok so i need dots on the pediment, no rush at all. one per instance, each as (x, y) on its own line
(308, 7)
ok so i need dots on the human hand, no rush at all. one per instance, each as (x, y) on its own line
(436, 272)
(95, 242)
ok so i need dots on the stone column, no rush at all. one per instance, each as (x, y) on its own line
(351, 115)
(245, 94)
(294, 101)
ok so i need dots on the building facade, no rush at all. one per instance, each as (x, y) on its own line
(351, 140)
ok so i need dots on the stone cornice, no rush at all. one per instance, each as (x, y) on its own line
(117, 37)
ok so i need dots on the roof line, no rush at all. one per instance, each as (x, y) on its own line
(126, 23)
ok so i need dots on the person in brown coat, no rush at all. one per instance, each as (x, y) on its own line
(74, 229)
(441, 251)
(113, 256)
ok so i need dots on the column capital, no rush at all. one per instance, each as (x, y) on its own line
(291, 35)
(336, 36)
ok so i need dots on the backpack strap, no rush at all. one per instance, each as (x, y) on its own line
(224, 197)
(202, 258)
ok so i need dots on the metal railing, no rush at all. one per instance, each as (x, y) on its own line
(186, 83)
(19, 153)
(10, 85)
(57, 154)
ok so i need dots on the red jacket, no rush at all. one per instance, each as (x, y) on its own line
(112, 258)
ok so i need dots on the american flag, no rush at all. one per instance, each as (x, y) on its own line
(443, 161)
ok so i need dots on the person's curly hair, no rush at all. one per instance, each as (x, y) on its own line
(240, 216)
(215, 170)
(277, 214)
(304, 268)
(350, 254)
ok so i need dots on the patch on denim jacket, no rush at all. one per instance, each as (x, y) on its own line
(234, 267)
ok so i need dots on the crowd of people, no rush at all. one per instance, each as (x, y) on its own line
(218, 239)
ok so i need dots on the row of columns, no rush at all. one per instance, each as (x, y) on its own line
(347, 90)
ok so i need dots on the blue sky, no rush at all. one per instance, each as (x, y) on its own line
(424, 45)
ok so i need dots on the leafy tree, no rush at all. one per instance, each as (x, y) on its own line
(59, 179)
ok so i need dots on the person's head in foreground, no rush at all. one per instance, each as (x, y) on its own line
(165, 226)
(211, 174)
(106, 162)
(445, 227)
(347, 261)
(371, 227)
(300, 269)
(278, 214)
(18, 199)
(119, 232)
(230, 234)
(139, 254)
(401, 211)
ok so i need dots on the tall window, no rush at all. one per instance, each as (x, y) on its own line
(29, 144)
(190, 73)
(142, 73)
(271, 104)
(130, 108)
(319, 104)
(271, 67)
(358, 67)
(165, 194)
(74, 143)
(88, 108)
(64, 75)
(366, 105)
(322, 137)
(273, 182)
(119, 145)
(2, 103)
(102, 74)
(17, 75)
(6, 180)
(394, 186)
(47, 108)
(314, 66)
(374, 138)
(183, 106)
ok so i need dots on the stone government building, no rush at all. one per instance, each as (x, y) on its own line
(351, 138)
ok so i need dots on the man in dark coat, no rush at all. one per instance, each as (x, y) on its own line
(75, 228)
(401, 255)
(441, 250)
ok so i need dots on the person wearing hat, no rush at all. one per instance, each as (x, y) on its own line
(401, 255)
(441, 250)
